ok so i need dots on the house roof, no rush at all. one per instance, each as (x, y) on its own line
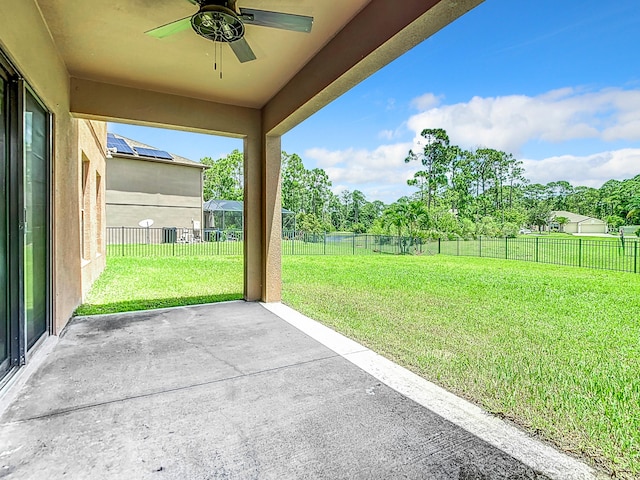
(573, 217)
(129, 148)
(216, 205)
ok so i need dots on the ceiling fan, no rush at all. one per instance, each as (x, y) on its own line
(223, 21)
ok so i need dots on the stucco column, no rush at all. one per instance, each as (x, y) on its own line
(262, 216)
(252, 218)
(272, 218)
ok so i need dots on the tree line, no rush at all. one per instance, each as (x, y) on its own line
(459, 193)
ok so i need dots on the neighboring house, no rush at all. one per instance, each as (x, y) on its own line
(145, 183)
(579, 223)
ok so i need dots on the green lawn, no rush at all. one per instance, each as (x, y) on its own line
(131, 283)
(555, 349)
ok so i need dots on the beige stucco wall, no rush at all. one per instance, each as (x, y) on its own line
(168, 193)
(27, 42)
(92, 138)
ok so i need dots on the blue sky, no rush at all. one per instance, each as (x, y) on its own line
(556, 83)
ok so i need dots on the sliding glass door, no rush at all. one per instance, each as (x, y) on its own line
(36, 177)
(25, 128)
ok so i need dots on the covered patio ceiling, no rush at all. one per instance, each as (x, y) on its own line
(104, 47)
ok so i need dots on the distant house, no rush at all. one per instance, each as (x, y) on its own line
(145, 183)
(579, 223)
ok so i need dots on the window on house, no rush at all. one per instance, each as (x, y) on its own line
(85, 213)
(98, 214)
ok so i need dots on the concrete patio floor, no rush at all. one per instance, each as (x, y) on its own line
(235, 390)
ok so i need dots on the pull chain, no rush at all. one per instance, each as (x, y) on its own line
(217, 45)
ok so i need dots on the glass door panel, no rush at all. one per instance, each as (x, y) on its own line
(4, 314)
(35, 206)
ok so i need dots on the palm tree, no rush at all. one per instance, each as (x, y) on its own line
(633, 213)
(561, 221)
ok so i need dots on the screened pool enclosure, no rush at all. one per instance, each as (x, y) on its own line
(226, 215)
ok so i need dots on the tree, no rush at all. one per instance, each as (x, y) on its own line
(614, 221)
(435, 156)
(561, 221)
(309, 223)
(319, 191)
(540, 215)
(370, 212)
(633, 210)
(224, 179)
(293, 182)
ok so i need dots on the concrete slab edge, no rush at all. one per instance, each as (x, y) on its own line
(508, 438)
(14, 385)
(106, 316)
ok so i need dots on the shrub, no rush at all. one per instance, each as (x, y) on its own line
(468, 228)
(487, 227)
(510, 230)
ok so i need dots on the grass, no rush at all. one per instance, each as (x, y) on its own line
(554, 349)
(130, 283)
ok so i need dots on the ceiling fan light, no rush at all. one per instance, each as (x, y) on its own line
(206, 20)
(217, 23)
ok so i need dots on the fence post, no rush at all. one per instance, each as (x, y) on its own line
(458, 246)
(293, 241)
(439, 245)
(635, 256)
(506, 248)
(353, 244)
(480, 245)
(579, 252)
(537, 239)
(324, 248)
(122, 238)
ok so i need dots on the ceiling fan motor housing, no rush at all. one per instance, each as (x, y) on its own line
(217, 23)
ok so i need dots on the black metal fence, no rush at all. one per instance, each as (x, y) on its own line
(140, 242)
(589, 252)
(608, 254)
(130, 241)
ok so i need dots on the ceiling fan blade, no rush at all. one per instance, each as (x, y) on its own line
(242, 50)
(170, 28)
(284, 21)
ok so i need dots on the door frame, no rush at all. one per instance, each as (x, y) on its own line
(17, 89)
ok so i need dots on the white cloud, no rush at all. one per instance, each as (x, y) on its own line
(371, 171)
(323, 157)
(393, 134)
(426, 101)
(509, 122)
(590, 170)
(386, 134)
(506, 123)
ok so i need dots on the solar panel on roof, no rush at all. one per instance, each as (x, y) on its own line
(153, 153)
(119, 144)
